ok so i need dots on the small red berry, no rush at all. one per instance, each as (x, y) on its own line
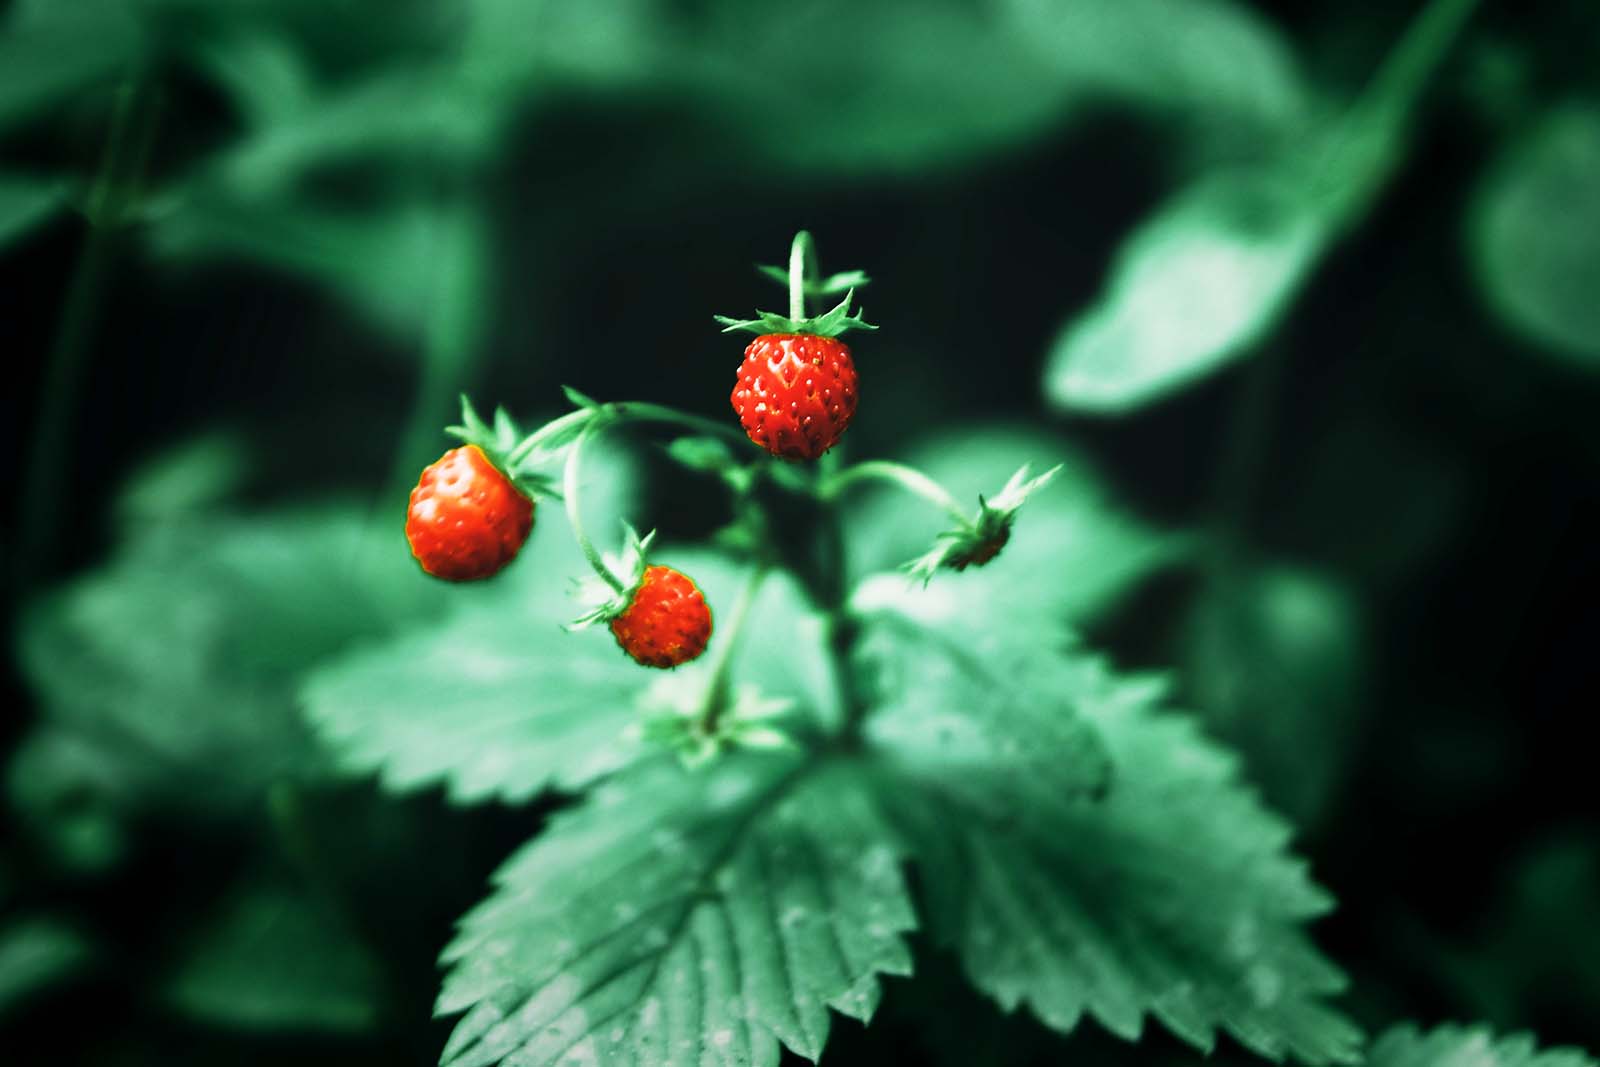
(466, 520)
(795, 393)
(668, 621)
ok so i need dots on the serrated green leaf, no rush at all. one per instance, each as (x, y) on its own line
(1192, 288)
(1073, 549)
(271, 957)
(1466, 1046)
(680, 917)
(25, 202)
(1535, 234)
(500, 702)
(184, 652)
(1169, 896)
(492, 704)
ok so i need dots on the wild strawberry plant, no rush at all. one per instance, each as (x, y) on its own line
(742, 859)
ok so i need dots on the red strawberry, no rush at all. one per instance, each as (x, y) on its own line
(466, 520)
(667, 623)
(796, 393)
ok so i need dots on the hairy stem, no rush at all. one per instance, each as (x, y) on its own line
(802, 272)
(569, 489)
(716, 700)
(907, 478)
(621, 411)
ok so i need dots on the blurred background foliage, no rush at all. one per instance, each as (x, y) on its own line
(1306, 296)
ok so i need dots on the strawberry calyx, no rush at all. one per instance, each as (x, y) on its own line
(672, 715)
(978, 540)
(805, 281)
(499, 442)
(604, 600)
(835, 321)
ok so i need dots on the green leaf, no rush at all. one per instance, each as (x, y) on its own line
(51, 50)
(1170, 895)
(1218, 62)
(1466, 1046)
(1274, 658)
(398, 267)
(1194, 287)
(36, 953)
(72, 792)
(492, 704)
(690, 918)
(183, 653)
(1204, 280)
(1535, 234)
(25, 203)
(271, 958)
(500, 702)
(1073, 549)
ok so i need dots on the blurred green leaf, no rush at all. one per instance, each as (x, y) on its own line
(190, 477)
(1274, 657)
(1170, 896)
(70, 792)
(880, 92)
(270, 957)
(722, 911)
(1204, 280)
(501, 702)
(392, 266)
(1211, 59)
(1073, 549)
(1193, 287)
(183, 653)
(36, 953)
(1535, 234)
(1466, 1046)
(50, 49)
(25, 203)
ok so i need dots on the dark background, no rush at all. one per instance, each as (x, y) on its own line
(1437, 467)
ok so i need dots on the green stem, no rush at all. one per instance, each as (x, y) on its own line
(1379, 116)
(802, 270)
(620, 411)
(569, 489)
(114, 189)
(907, 478)
(716, 700)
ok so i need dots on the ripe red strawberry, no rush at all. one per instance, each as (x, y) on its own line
(466, 520)
(796, 393)
(668, 621)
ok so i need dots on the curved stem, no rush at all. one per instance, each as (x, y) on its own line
(114, 189)
(907, 478)
(620, 410)
(716, 700)
(569, 489)
(802, 270)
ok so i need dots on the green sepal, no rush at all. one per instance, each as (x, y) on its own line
(580, 400)
(673, 717)
(603, 603)
(498, 442)
(981, 539)
(831, 323)
(829, 286)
